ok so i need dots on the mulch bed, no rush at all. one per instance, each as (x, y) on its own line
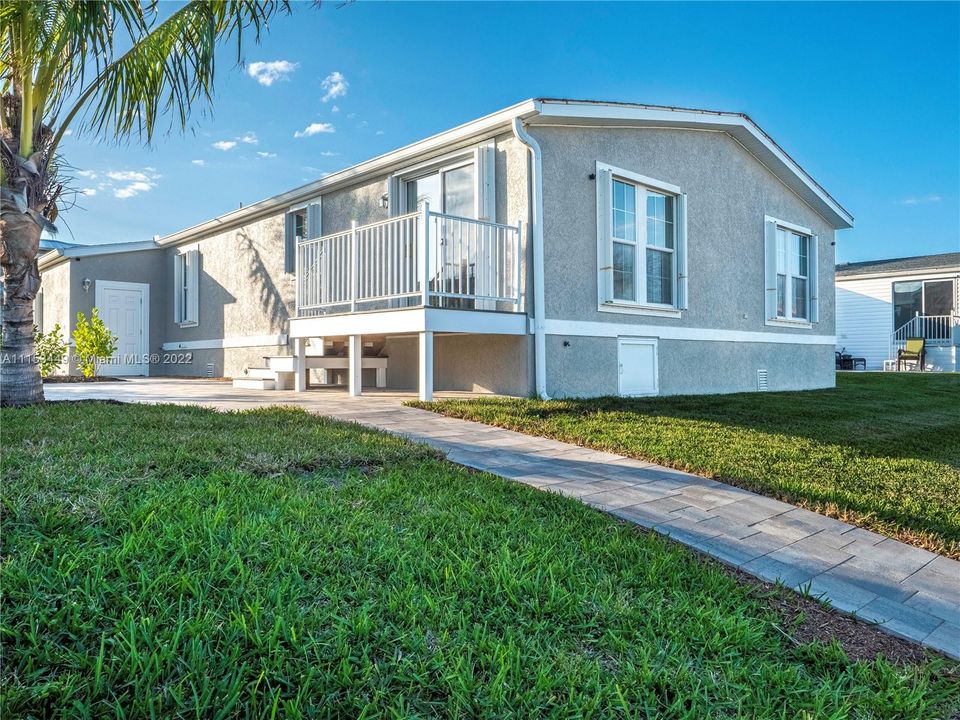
(807, 620)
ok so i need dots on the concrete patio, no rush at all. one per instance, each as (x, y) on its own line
(910, 592)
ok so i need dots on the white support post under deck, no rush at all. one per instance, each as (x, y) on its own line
(300, 371)
(355, 364)
(426, 366)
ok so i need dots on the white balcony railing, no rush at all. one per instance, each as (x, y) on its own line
(934, 329)
(423, 258)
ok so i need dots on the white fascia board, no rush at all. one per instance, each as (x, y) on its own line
(946, 272)
(54, 256)
(739, 126)
(586, 328)
(413, 320)
(386, 163)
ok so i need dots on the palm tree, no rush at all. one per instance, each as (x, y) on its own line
(112, 69)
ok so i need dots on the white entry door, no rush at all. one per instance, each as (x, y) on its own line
(638, 366)
(125, 309)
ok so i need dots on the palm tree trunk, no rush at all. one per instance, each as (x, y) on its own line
(20, 382)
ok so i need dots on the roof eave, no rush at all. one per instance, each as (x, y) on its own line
(738, 125)
(461, 134)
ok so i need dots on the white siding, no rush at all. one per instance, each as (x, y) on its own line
(865, 318)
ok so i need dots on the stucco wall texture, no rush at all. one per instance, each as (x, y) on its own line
(244, 291)
(728, 194)
(589, 366)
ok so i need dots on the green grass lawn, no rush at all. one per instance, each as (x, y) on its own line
(881, 450)
(162, 561)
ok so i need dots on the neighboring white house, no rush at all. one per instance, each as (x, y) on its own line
(883, 302)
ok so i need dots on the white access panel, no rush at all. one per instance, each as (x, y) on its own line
(637, 366)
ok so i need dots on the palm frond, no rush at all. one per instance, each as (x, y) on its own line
(168, 69)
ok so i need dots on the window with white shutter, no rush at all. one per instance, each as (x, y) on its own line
(791, 282)
(304, 222)
(642, 243)
(186, 287)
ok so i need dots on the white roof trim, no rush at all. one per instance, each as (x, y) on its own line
(739, 126)
(546, 111)
(462, 134)
(948, 272)
(53, 257)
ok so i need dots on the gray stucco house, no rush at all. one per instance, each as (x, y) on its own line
(557, 247)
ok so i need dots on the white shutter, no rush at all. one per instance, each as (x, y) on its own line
(38, 310)
(485, 158)
(813, 282)
(193, 286)
(314, 220)
(290, 243)
(681, 251)
(177, 288)
(604, 246)
(770, 268)
(396, 199)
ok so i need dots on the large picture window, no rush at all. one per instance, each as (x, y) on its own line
(642, 241)
(929, 299)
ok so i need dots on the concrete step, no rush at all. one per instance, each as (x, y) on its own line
(261, 373)
(249, 383)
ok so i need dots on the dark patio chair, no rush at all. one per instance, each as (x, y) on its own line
(843, 360)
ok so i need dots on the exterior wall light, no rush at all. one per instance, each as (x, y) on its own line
(87, 282)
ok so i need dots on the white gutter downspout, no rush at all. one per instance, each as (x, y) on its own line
(536, 230)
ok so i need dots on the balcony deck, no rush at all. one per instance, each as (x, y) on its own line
(424, 260)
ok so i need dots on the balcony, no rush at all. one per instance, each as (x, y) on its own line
(423, 259)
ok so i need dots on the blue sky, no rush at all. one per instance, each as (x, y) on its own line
(866, 97)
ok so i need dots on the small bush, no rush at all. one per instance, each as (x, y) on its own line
(51, 349)
(94, 343)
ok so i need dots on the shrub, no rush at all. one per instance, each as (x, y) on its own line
(94, 343)
(51, 349)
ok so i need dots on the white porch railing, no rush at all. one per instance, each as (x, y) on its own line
(934, 329)
(422, 258)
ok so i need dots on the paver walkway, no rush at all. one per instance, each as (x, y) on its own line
(911, 592)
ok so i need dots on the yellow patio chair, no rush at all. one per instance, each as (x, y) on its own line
(913, 350)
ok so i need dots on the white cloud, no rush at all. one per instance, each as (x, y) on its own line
(267, 73)
(266, 154)
(199, 163)
(250, 138)
(335, 85)
(335, 108)
(67, 132)
(919, 200)
(379, 132)
(127, 175)
(327, 153)
(87, 174)
(314, 129)
(131, 182)
(88, 191)
(134, 188)
(225, 145)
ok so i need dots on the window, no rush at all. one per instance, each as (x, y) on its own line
(301, 223)
(927, 298)
(642, 242)
(791, 273)
(449, 190)
(186, 266)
